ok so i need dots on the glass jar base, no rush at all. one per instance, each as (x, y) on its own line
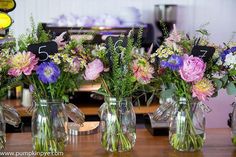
(188, 143)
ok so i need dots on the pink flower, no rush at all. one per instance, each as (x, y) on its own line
(60, 40)
(143, 71)
(203, 89)
(193, 68)
(174, 37)
(75, 65)
(93, 70)
(24, 62)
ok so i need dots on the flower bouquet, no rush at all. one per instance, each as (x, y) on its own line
(49, 81)
(6, 82)
(186, 78)
(122, 71)
(227, 75)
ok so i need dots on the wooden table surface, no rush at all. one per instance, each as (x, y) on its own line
(87, 109)
(218, 144)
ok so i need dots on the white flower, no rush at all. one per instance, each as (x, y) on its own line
(219, 62)
(230, 60)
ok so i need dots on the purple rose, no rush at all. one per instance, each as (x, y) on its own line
(93, 70)
(193, 68)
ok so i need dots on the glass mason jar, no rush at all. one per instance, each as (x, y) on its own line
(118, 124)
(233, 123)
(187, 126)
(49, 126)
(2, 129)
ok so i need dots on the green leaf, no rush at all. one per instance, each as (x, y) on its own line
(218, 84)
(137, 103)
(150, 99)
(65, 98)
(224, 80)
(232, 72)
(231, 89)
(167, 93)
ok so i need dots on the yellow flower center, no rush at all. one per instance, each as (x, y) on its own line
(20, 60)
(48, 71)
(203, 85)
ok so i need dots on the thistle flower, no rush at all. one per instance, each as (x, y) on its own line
(203, 89)
(143, 71)
(48, 72)
(24, 62)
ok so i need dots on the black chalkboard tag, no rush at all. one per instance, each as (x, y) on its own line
(204, 52)
(43, 50)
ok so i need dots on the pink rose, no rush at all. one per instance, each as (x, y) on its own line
(93, 70)
(193, 68)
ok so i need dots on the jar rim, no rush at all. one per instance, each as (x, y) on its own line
(111, 98)
(48, 101)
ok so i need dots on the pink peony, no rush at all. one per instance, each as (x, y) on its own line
(24, 62)
(203, 89)
(93, 70)
(143, 71)
(193, 68)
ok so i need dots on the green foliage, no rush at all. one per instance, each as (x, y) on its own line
(7, 82)
(139, 38)
(119, 82)
(231, 88)
(33, 36)
(218, 84)
(164, 28)
(202, 30)
(8, 46)
(42, 35)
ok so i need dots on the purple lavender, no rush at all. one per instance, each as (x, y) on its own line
(48, 72)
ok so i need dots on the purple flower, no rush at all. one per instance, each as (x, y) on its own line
(164, 64)
(93, 70)
(31, 88)
(226, 52)
(174, 62)
(48, 72)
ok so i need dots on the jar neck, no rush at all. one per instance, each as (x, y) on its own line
(115, 101)
(48, 102)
